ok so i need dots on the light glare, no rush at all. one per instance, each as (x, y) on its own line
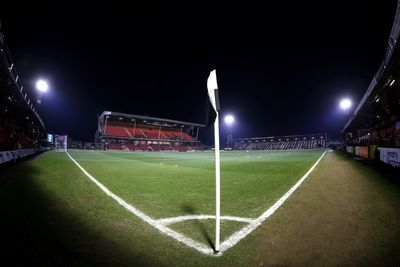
(229, 119)
(345, 104)
(42, 86)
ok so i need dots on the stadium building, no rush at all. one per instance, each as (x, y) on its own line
(277, 200)
(122, 131)
(373, 129)
(313, 141)
(20, 124)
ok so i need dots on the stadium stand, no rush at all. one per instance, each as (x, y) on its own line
(373, 129)
(122, 131)
(20, 123)
(315, 141)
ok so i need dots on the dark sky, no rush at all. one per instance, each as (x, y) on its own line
(281, 68)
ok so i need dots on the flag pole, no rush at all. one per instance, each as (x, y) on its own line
(212, 89)
(217, 184)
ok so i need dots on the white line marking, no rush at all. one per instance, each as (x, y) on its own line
(166, 221)
(106, 160)
(180, 237)
(227, 244)
(236, 237)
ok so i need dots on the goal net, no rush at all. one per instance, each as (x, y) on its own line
(60, 143)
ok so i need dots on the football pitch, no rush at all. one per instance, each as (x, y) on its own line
(173, 191)
(156, 208)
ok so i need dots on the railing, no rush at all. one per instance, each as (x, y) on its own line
(392, 42)
(7, 60)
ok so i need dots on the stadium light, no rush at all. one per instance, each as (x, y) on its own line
(42, 86)
(345, 104)
(229, 119)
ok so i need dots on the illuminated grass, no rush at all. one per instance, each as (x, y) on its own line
(167, 184)
(51, 214)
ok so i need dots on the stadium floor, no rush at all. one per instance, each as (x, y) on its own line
(343, 214)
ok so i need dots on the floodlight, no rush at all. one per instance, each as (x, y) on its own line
(42, 86)
(345, 104)
(229, 119)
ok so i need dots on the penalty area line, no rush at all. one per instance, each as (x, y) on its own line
(159, 226)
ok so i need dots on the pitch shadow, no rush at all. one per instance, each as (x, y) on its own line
(200, 225)
(37, 230)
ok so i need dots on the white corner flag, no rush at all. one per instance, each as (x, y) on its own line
(213, 96)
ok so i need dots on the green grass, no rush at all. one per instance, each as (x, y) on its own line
(159, 184)
(174, 184)
(52, 214)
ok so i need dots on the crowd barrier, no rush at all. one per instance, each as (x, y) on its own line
(6, 156)
(390, 156)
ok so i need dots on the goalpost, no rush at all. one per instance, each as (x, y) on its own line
(60, 143)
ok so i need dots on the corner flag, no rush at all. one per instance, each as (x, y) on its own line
(212, 88)
(212, 99)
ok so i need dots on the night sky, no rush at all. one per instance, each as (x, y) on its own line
(281, 68)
